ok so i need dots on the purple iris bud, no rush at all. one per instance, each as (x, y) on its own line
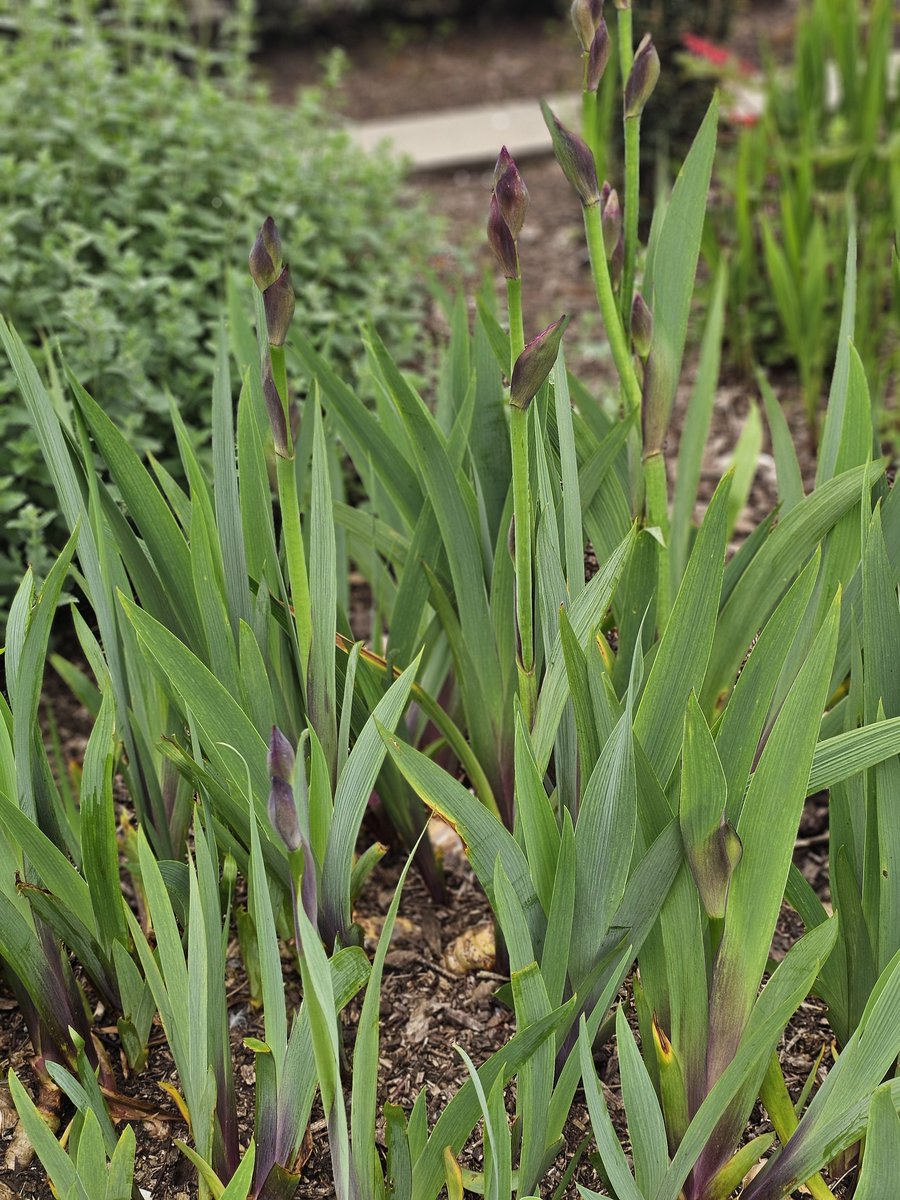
(598, 56)
(283, 814)
(586, 16)
(575, 157)
(641, 326)
(266, 255)
(511, 193)
(275, 412)
(642, 80)
(501, 241)
(611, 220)
(535, 363)
(278, 299)
(282, 808)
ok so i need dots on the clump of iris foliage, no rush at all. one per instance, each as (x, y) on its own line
(629, 804)
(132, 165)
(823, 158)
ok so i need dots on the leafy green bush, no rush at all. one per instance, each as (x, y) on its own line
(127, 188)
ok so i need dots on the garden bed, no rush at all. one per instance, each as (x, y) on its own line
(441, 978)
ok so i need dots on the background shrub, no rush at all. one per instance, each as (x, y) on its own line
(134, 170)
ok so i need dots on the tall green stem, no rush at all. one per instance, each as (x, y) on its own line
(626, 43)
(657, 499)
(518, 438)
(632, 168)
(615, 331)
(632, 211)
(589, 119)
(292, 533)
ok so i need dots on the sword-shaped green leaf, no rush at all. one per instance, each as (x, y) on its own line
(712, 846)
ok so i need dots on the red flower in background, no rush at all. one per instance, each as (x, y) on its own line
(718, 56)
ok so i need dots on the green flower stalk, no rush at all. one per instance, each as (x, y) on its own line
(640, 81)
(272, 276)
(577, 163)
(656, 486)
(509, 202)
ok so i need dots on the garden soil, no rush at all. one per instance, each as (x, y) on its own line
(440, 983)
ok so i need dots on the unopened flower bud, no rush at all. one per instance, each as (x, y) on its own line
(643, 77)
(282, 808)
(275, 411)
(611, 220)
(281, 759)
(283, 814)
(641, 326)
(586, 15)
(512, 195)
(266, 255)
(535, 363)
(575, 158)
(278, 299)
(617, 262)
(511, 538)
(599, 56)
(504, 160)
(501, 241)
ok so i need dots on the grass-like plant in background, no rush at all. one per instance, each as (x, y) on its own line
(123, 144)
(622, 799)
(824, 156)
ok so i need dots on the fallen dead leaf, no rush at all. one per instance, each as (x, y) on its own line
(404, 930)
(20, 1152)
(132, 1108)
(473, 950)
(9, 1118)
(419, 1023)
(444, 838)
(754, 1171)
